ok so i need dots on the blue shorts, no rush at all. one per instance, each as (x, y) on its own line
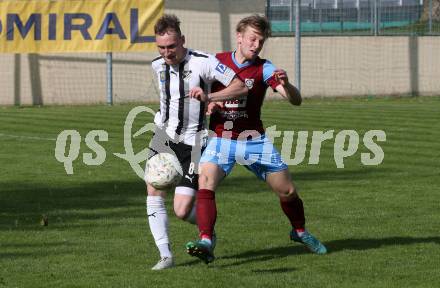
(257, 155)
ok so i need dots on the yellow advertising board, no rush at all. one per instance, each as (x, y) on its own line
(78, 25)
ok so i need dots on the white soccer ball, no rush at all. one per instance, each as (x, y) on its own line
(163, 170)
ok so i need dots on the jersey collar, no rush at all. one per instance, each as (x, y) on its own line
(188, 50)
(245, 64)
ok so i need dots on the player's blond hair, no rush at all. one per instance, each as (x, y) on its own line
(256, 21)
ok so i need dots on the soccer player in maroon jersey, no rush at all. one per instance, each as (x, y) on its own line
(239, 137)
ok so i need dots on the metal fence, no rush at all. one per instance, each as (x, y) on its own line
(356, 17)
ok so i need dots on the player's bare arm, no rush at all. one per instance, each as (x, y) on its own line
(235, 90)
(286, 89)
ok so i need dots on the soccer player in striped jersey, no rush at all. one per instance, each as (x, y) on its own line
(238, 127)
(180, 123)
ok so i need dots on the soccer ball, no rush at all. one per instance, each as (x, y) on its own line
(163, 170)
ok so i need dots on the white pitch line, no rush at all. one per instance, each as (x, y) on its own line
(26, 137)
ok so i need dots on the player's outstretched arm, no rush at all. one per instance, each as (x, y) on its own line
(286, 89)
(235, 90)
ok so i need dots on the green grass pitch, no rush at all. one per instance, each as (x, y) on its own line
(380, 223)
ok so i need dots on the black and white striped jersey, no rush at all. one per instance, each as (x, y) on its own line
(183, 117)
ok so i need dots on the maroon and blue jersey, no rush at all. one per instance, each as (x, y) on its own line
(245, 112)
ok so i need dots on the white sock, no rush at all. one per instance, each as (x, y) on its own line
(158, 221)
(191, 218)
(164, 250)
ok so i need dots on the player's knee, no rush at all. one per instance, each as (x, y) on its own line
(151, 191)
(288, 192)
(182, 211)
(182, 208)
(203, 180)
(210, 175)
(181, 214)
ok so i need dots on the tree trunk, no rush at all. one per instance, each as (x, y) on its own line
(435, 10)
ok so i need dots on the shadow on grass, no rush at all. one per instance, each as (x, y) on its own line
(333, 247)
(32, 255)
(190, 263)
(22, 205)
(34, 245)
(363, 173)
(247, 179)
(275, 270)
(371, 243)
(34, 250)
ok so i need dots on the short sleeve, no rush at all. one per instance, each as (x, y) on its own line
(217, 71)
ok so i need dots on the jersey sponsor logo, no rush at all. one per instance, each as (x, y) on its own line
(249, 83)
(238, 103)
(187, 75)
(162, 76)
(221, 68)
(234, 115)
